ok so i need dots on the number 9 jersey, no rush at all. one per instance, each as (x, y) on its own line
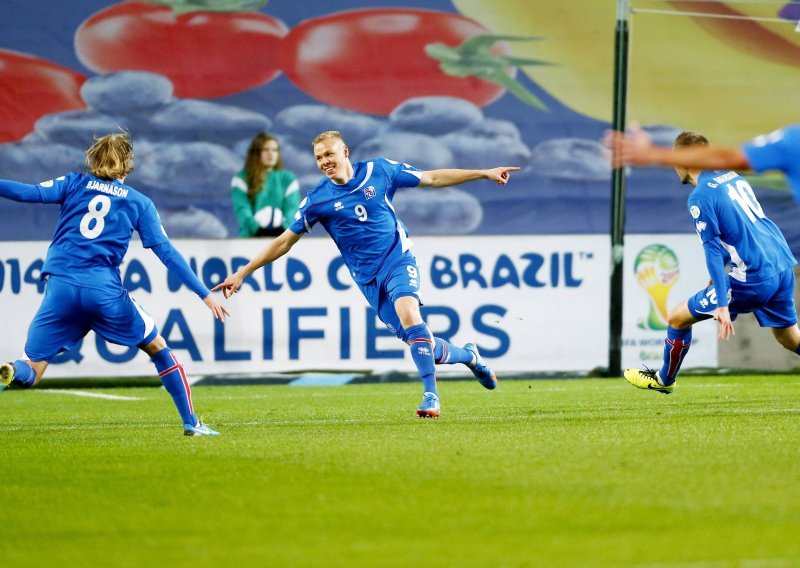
(95, 227)
(359, 215)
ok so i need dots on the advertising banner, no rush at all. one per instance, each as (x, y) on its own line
(532, 304)
(662, 271)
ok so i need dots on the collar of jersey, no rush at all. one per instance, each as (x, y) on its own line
(347, 186)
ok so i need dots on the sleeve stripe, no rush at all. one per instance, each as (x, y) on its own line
(294, 187)
(238, 183)
(368, 175)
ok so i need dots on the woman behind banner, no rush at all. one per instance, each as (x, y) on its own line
(265, 195)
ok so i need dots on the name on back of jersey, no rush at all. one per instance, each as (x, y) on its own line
(108, 188)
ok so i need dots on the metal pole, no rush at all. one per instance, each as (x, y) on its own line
(618, 193)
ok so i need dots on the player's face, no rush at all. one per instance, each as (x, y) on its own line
(332, 159)
(270, 153)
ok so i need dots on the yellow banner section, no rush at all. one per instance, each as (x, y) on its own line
(728, 69)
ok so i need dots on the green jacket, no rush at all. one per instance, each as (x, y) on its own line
(274, 205)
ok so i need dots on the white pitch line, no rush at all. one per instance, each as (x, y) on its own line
(90, 394)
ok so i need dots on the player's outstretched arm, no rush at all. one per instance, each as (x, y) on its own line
(174, 261)
(273, 251)
(637, 149)
(22, 192)
(446, 178)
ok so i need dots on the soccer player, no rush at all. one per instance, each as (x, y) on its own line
(779, 150)
(734, 230)
(354, 204)
(84, 291)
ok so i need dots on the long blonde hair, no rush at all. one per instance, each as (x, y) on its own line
(111, 156)
(255, 172)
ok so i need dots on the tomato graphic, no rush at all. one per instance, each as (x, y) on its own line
(33, 87)
(371, 60)
(204, 53)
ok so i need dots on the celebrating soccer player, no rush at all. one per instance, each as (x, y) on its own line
(734, 230)
(354, 206)
(84, 292)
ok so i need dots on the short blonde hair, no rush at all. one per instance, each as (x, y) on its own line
(111, 156)
(326, 135)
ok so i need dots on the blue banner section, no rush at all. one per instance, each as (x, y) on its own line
(194, 87)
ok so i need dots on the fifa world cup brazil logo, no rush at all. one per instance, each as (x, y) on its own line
(656, 268)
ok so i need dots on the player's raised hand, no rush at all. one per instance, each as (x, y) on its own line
(500, 175)
(723, 317)
(230, 285)
(216, 308)
(631, 148)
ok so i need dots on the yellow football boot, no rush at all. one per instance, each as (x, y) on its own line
(648, 380)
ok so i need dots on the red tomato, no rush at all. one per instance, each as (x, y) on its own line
(374, 59)
(204, 54)
(33, 87)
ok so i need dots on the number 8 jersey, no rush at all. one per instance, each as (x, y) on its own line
(724, 207)
(359, 215)
(95, 227)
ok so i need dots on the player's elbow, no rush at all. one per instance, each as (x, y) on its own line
(285, 241)
(429, 179)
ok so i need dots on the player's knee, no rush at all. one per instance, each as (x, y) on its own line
(677, 320)
(790, 341)
(156, 345)
(415, 333)
(407, 310)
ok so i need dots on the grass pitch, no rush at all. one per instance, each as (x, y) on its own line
(537, 473)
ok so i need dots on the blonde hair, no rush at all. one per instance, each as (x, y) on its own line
(111, 156)
(328, 134)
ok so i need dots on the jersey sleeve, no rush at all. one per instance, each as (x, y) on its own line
(703, 211)
(715, 263)
(174, 261)
(774, 151)
(149, 227)
(56, 190)
(50, 191)
(305, 218)
(704, 214)
(401, 175)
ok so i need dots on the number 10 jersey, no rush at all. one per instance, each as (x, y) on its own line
(724, 207)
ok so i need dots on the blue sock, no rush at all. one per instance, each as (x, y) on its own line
(173, 377)
(445, 353)
(676, 345)
(421, 347)
(24, 375)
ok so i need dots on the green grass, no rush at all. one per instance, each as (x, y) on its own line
(538, 473)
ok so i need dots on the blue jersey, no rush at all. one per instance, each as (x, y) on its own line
(779, 150)
(95, 227)
(359, 215)
(725, 210)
